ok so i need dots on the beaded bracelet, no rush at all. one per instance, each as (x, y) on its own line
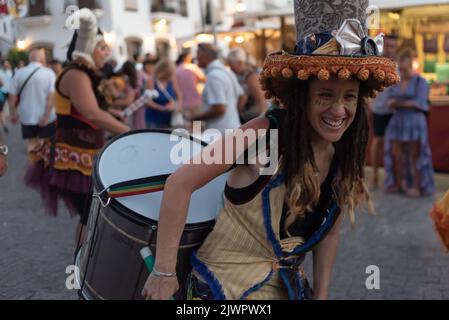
(163, 274)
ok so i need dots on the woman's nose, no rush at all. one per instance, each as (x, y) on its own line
(338, 109)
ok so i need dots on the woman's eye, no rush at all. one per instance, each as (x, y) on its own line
(351, 96)
(325, 95)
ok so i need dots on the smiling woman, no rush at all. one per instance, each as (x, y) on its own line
(267, 224)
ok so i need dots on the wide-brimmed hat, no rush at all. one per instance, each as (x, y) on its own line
(332, 41)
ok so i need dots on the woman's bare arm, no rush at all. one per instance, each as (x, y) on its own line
(126, 101)
(179, 97)
(183, 183)
(175, 203)
(324, 256)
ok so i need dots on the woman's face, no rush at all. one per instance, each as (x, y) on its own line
(237, 67)
(149, 68)
(101, 53)
(405, 67)
(332, 106)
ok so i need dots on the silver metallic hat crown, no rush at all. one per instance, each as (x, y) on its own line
(315, 16)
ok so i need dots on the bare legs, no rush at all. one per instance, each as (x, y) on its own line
(2, 123)
(415, 151)
(400, 153)
(397, 150)
(377, 152)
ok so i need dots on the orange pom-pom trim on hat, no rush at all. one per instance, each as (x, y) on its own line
(373, 94)
(379, 75)
(363, 74)
(344, 74)
(275, 73)
(287, 73)
(267, 73)
(303, 75)
(390, 79)
(324, 75)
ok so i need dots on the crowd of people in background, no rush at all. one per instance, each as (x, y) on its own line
(223, 93)
(182, 87)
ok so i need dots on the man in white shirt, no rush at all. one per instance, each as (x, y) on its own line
(222, 93)
(35, 84)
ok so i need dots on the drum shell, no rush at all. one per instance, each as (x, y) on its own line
(110, 264)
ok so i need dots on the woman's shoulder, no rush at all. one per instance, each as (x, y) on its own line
(73, 75)
(276, 116)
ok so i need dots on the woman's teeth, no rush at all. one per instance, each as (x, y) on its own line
(332, 123)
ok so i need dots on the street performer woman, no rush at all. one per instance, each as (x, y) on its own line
(268, 223)
(63, 169)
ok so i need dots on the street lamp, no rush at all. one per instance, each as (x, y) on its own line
(240, 7)
(21, 45)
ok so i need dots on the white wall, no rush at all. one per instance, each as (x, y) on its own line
(6, 34)
(114, 20)
(46, 30)
(126, 24)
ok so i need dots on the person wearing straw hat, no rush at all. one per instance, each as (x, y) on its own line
(267, 224)
(62, 168)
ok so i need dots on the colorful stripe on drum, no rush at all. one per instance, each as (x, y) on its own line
(138, 187)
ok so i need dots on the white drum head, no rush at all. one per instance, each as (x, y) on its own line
(147, 154)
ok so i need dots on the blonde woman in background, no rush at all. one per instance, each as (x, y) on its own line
(159, 111)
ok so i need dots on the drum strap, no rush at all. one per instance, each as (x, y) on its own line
(137, 187)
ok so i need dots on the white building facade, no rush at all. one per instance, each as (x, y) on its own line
(131, 26)
(6, 33)
(125, 23)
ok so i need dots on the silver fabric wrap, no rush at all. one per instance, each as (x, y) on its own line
(315, 16)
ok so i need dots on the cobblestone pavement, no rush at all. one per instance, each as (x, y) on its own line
(35, 249)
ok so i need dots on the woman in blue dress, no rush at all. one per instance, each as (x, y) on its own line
(408, 159)
(159, 111)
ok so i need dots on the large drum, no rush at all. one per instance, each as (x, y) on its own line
(109, 265)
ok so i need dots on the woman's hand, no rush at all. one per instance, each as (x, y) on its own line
(392, 104)
(160, 288)
(44, 121)
(170, 106)
(117, 114)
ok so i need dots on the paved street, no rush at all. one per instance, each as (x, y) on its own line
(35, 249)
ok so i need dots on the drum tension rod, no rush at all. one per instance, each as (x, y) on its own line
(98, 196)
